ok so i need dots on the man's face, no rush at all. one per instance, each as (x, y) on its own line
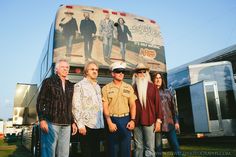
(92, 72)
(158, 80)
(86, 15)
(118, 74)
(63, 69)
(107, 16)
(141, 73)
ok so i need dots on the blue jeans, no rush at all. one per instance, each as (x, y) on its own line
(69, 42)
(173, 141)
(88, 46)
(144, 140)
(119, 142)
(107, 46)
(56, 141)
(123, 50)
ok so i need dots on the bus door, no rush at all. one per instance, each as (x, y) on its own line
(206, 107)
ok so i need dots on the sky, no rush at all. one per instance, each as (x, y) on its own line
(190, 28)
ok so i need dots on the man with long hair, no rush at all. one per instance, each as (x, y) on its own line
(170, 122)
(148, 112)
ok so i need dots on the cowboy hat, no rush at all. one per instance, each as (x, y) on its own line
(141, 66)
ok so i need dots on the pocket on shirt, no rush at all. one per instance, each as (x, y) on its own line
(110, 96)
(127, 95)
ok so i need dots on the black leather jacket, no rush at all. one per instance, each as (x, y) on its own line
(53, 104)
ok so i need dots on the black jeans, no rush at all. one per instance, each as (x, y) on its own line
(90, 143)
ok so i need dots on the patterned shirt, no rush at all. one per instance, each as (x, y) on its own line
(87, 105)
(106, 28)
(169, 110)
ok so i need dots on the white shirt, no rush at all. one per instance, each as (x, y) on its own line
(87, 105)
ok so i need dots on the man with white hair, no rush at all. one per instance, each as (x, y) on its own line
(119, 111)
(148, 112)
(54, 108)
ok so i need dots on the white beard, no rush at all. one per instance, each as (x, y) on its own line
(142, 84)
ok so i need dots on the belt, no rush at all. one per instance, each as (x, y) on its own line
(119, 115)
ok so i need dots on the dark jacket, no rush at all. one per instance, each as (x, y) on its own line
(148, 116)
(122, 34)
(53, 104)
(69, 28)
(87, 28)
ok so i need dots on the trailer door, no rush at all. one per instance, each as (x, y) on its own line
(206, 107)
(199, 108)
(213, 103)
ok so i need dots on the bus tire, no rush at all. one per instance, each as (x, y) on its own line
(35, 146)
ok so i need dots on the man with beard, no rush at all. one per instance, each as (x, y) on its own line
(148, 112)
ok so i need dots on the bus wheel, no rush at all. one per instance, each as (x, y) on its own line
(35, 149)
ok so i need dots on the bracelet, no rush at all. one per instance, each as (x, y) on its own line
(132, 120)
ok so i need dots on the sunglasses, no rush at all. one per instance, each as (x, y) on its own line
(119, 71)
(141, 71)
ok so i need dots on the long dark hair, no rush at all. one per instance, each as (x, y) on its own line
(163, 85)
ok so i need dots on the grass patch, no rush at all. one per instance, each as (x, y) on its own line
(14, 149)
(202, 148)
(206, 148)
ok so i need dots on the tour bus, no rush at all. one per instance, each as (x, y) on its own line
(206, 101)
(69, 40)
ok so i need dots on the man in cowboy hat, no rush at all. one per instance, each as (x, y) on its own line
(148, 112)
(119, 111)
(70, 30)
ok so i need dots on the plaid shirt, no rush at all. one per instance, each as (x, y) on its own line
(53, 103)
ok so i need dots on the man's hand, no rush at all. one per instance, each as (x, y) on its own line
(44, 126)
(157, 127)
(177, 128)
(74, 129)
(130, 125)
(82, 131)
(112, 127)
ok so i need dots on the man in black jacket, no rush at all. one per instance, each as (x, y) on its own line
(70, 30)
(54, 108)
(88, 30)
